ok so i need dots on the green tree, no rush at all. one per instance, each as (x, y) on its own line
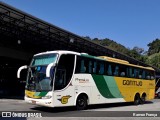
(154, 47)
(154, 60)
(138, 49)
(137, 52)
(87, 37)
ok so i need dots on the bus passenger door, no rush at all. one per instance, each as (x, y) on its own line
(63, 90)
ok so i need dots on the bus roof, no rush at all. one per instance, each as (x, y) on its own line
(105, 58)
(124, 62)
(59, 52)
(115, 60)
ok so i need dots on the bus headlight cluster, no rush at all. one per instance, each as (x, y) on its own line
(46, 97)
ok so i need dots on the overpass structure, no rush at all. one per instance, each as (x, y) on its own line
(22, 35)
(30, 34)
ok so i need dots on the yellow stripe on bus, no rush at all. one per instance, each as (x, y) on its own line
(130, 86)
(31, 94)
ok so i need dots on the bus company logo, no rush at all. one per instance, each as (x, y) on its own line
(64, 99)
(132, 82)
(82, 80)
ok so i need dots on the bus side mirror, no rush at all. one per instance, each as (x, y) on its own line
(49, 68)
(20, 69)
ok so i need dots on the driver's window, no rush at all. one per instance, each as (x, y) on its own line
(64, 71)
(60, 79)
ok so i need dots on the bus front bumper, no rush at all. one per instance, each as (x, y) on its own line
(41, 102)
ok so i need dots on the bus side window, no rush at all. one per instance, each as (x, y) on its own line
(127, 72)
(101, 71)
(148, 77)
(143, 74)
(98, 68)
(116, 72)
(83, 68)
(130, 72)
(152, 75)
(136, 73)
(109, 69)
(140, 74)
(106, 68)
(94, 67)
(86, 64)
(122, 70)
(90, 67)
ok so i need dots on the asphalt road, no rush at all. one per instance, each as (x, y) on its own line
(111, 111)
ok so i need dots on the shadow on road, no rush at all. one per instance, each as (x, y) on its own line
(12, 97)
(112, 105)
(68, 109)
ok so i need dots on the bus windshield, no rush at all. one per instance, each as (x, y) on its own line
(44, 59)
(36, 79)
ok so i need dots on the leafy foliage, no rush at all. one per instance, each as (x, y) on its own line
(154, 47)
(138, 50)
(111, 45)
(154, 60)
(150, 57)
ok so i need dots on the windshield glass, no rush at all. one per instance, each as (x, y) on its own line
(36, 79)
(44, 59)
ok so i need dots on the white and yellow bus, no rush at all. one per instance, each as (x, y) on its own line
(66, 78)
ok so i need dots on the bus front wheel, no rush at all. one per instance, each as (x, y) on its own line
(81, 103)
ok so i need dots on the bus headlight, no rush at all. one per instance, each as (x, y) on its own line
(46, 97)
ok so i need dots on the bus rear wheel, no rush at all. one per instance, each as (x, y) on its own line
(136, 99)
(143, 98)
(81, 103)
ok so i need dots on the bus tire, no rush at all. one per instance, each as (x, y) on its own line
(81, 103)
(143, 99)
(137, 99)
(158, 95)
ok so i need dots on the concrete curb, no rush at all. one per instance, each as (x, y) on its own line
(11, 100)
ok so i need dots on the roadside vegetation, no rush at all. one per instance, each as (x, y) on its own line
(150, 57)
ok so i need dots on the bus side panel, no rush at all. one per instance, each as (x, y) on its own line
(100, 91)
(151, 94)
(130, 86)
(64, 97)
(107, 89)
(82, 84)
